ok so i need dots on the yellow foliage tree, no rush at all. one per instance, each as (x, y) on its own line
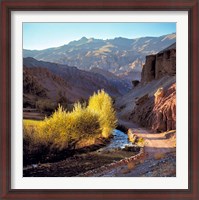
(82, 126)
(101, 104)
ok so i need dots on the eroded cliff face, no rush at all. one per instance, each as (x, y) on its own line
(163, 116)
(157, 110)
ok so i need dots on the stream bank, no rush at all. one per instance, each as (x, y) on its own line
(158, 160)
(119, 148)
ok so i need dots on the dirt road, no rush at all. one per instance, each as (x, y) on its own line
(159, 159)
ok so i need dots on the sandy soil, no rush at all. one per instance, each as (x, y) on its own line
(154, 142)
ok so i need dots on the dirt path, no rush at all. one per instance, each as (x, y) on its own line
(154, 142)
(159, 158)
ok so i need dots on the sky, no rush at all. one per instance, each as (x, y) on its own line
(46, 35)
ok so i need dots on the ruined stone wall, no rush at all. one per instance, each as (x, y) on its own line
(165, 64)
(159, 65)
(148, 71)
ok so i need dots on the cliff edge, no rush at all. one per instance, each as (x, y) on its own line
(152, 103)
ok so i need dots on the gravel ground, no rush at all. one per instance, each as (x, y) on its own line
(159, 159)
(162, 166)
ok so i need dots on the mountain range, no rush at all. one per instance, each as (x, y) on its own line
(120, 56)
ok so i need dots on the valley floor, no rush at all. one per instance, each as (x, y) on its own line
(159, 159)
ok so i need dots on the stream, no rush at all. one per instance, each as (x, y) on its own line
(81, 163)
(120, 139)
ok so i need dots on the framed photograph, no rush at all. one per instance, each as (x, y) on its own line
(99, 99)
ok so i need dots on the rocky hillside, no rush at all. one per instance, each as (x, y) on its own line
(40, 83)
(32, 89)
(55, 80)
(153, 102)
(31, 84)
(120, 55)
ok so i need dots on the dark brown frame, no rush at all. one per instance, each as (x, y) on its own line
(5, 99)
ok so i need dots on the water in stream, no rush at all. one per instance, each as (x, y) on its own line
(119, 140)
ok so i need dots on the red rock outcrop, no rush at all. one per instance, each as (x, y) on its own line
(157, 112)
(163, 116)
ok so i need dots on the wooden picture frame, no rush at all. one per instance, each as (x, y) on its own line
(7, 6)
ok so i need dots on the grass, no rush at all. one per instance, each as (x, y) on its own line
(69, 130)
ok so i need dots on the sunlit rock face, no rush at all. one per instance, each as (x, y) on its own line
(157, 109)
(158, 112)
(163, 117)
(120, 56)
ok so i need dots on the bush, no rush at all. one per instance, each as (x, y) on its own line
(101, 104)
(63, 129)
(31, 143)
(66, 130)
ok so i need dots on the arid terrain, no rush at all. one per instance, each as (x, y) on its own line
(124, 124)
